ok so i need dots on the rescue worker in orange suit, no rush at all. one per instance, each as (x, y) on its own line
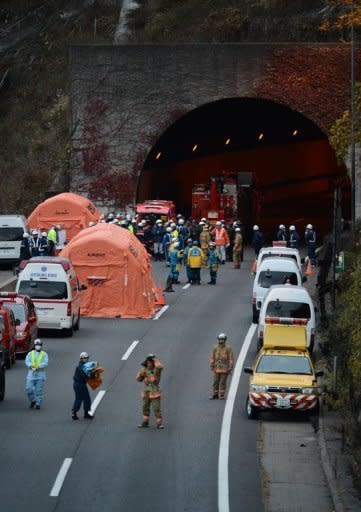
(237, 248)
(204, 240)
(221, 363)
(150, 374)
(221, 239)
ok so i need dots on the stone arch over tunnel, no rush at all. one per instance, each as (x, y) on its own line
(294, 169)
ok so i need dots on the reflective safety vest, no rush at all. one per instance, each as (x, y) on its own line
(222, 360)
(36, 363)
(195, 257)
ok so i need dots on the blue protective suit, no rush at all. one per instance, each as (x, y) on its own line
(35, 378)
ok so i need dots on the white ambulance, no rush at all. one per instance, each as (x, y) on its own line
(12, 228)
(52, 284)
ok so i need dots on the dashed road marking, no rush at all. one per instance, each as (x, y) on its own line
(223, 483)
(160, 312)
(97, 401)
(185, 287)
(130, 350)
(58, 484)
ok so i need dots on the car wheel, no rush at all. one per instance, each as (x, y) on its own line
(7, 359)
(255, 315)
(2, 383)
(77, 325)
(252, 412)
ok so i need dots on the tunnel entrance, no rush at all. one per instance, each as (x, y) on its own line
(292, 169)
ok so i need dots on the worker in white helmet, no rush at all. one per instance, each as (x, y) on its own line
(294, 237)
(281, 235)
(257, 240)
(311, 239)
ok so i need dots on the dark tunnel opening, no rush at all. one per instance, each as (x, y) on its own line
(283, 164)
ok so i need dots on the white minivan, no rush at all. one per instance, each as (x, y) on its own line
(52, 284)
(280, 252)
(273, 271)
(12, 228)
(284, 302)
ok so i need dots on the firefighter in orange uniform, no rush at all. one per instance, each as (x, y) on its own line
(221, 363)
(221, 239)
(204, 240)
(150, 374)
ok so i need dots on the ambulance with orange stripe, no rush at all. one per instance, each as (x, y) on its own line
(283, 375)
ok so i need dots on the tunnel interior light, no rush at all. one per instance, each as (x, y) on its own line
(228, 141)
(295, 132)
(195, 147)
(261, 136)
(158, 155)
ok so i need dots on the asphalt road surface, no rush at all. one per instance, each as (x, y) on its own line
(114, 465)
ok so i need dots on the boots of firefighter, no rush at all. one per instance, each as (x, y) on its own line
(74, 415)
(168, 286)
(144, 424)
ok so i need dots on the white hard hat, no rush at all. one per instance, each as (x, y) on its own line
(168, 230)
(111, 216)
(181, 221)
(159, 221)
(222, 336)
(238, 229)
(203, 219)
(174, 240)
(38, 342)
(26, 235)
(84, 355)
(212, 244)
(255, 227)
(91, 223)
(58, 226)
(173, 225)
(176, 244)
(281, 226)
(34, 232)
(44, 233)
(218, 223)
(202, 223)
(309, 226)
(292, 228)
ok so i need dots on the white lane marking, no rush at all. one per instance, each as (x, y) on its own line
(160, 312)
(223, 483)
(58, 484)
(97, 401)
(130, 350)
(186, 286)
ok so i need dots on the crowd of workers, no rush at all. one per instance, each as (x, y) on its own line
(40, 243)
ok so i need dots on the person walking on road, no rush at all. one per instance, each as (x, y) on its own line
(237, 248)
(294, 237)
(214, 262)
(310, 239)
(36, 361)
(150, 374)
(81, 389)
(221, 239)
(221, 363)
(257, 240)
(194, 261)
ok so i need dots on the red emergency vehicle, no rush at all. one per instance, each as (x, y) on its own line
(8, 337)
(156, 209)
(217, 200)
(25, 319)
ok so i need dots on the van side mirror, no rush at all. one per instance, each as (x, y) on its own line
(83, 287)
(248, 369)
(319, 373)
(304, 279)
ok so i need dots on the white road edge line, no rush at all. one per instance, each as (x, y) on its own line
(186, 286)
(223, 483)
(130, 350)
(58, 484)
(160, 312)
(97, 401)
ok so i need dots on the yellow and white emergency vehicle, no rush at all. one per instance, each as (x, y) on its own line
(283, 375)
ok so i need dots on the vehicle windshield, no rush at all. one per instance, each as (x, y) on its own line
(278, 255)
(44, 289)
(284, 364)
(267, 278)
(17, 309)
(288, 309)
(11, 234)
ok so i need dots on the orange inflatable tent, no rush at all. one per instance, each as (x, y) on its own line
(71, 211)
(116, 269)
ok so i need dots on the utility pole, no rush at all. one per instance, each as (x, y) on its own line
(352, 110)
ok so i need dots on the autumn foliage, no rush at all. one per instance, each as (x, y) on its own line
(312, 80)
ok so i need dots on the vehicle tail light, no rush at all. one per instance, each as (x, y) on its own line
(285, 321)
(8, 294)
(68, 309)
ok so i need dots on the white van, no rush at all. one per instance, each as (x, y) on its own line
(284, 302)
(279, 252)
(52, 284)
(12, 228)
(273, 271)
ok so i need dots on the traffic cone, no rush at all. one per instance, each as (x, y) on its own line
(254, 267)
(159, 296)
(308, 272)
